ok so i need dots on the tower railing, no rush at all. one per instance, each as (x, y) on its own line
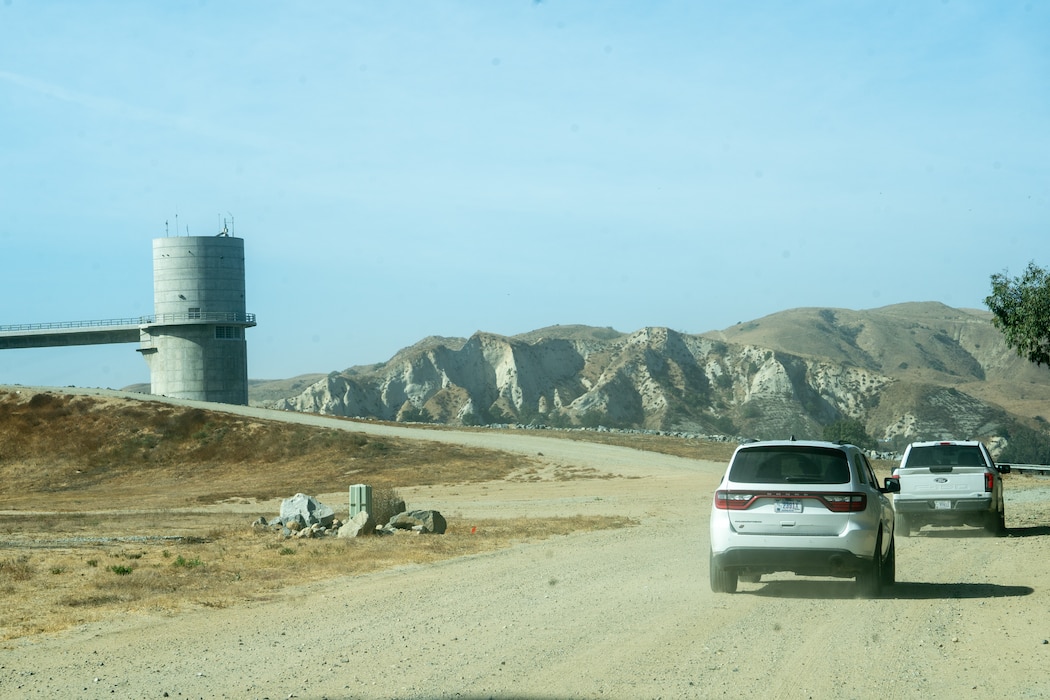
(200, 317)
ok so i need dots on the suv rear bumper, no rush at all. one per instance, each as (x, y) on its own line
(804, 562)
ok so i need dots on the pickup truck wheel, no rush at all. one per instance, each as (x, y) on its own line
(869, 581)
(996, 524)
(722, 581)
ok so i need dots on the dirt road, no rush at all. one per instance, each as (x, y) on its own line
(617, 614)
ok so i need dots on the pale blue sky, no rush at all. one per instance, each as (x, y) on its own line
(405, 169)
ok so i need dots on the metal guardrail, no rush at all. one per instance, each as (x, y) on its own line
(1040, 469)
(158, 319)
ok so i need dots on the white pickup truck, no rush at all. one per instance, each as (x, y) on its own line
(949, 482)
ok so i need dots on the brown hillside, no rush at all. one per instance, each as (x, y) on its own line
(62, 452)
(926, 343)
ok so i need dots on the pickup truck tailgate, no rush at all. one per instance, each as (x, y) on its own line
(942, 482)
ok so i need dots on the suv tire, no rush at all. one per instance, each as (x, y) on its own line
(722, 581)
(869, 581)
(889, 566)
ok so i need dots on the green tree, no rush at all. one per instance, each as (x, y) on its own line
(849, 430)
(1021, 311)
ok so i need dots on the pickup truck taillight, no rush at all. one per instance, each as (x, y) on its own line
(989, 481)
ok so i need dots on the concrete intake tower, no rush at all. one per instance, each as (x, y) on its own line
(194, 342)
(195, 345)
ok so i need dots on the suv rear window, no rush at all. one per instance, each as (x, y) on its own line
(945, 455)
(790, 465)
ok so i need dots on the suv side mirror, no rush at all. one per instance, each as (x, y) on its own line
(1003, 468)
(893, 485)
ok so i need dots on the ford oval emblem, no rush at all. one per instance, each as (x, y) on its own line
(941, 480)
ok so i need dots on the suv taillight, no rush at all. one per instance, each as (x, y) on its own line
(835, 502)
(989, 481)
(732, 500)
(846, 502)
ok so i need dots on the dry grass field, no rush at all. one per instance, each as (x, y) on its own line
(113, 505)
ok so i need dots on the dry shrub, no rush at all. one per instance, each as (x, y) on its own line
(16, 569)
(386, 503)
(48, 406)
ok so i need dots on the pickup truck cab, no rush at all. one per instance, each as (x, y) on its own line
(949, 482)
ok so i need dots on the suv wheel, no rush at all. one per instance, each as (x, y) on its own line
(889, 567)
(722, 581)
(869, 581)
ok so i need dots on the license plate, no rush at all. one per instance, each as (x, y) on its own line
(787, 505)
(942, 505)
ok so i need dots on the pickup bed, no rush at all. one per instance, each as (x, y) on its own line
(951, 482)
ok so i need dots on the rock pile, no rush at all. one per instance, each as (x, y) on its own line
(419, 521)
(304, 516)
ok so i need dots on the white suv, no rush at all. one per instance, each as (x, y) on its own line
(810, 508)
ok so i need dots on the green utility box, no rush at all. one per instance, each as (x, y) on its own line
(360, 499)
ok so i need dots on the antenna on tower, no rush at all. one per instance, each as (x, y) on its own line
(165, 228)
(233, 231)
